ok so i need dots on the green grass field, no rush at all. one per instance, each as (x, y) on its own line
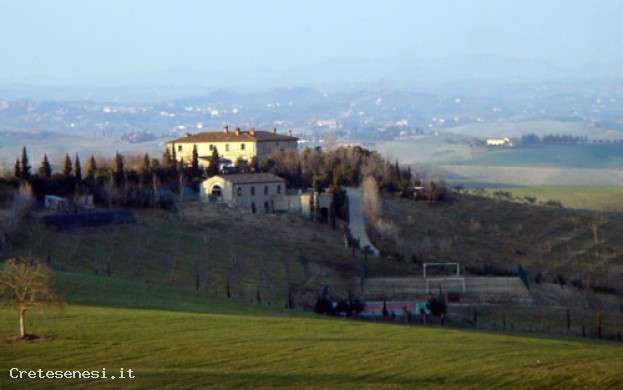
(605, 156)
(588, 198)
(213, 342)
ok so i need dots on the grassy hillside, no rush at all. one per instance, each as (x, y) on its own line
(477, 232)
(90, 290)
(475, 176)
(588, 198)
(456, 145)
(517, 129)
(427, 149)
(574, 156)
(206, 247)
(265, 349)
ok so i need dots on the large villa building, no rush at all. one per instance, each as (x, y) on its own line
(232, 146)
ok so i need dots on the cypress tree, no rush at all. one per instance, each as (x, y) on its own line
(194, 165)
(213, 168)
(166, 157)
(25, 171)
(18, 169)
(119, 173)
(173, 156)
(67, 167)
(45, 170)
(77, 168)
(146, 169)
(406, 175)
(396, 175)
(92, 168)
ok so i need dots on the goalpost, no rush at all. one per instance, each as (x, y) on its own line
(458, 282)
(455, 280)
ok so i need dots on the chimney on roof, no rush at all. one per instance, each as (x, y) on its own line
(290, 132)
(252, 131)
(187, 135)
(237, 130)
(274, 130)
(225, 129)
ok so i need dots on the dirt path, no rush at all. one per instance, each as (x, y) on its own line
(357, 225)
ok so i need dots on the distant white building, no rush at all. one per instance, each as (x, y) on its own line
(58, 203)
(53, 202)
(499, 142)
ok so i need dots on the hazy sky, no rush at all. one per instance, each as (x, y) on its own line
(58, 41)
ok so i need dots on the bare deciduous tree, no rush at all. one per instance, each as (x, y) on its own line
(20, 206)
(27, 283)
(370, 199)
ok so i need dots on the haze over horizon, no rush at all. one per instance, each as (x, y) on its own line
(276, 42)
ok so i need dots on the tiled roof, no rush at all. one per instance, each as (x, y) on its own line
(249, 178)
(231, 136)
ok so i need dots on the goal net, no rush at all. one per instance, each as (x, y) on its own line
(443, 276)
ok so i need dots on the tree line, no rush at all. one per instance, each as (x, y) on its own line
(132, 181)
(552, 139)
(347, 167)
(144, 181)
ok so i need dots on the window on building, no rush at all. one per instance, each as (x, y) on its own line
(239, 191)
(227, 147)
(252, 191)
(179, 148)
(211, 147)
(265, 190)
(279, 189)
(242, 146)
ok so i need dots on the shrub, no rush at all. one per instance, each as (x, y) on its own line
(437, 306)
(553, 203)
(604, 289)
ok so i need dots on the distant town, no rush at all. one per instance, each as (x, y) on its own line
(319, 118)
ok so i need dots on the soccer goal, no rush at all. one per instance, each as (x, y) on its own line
(452, 281)
(447, 284)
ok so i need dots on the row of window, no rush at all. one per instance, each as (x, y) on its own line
(239, 190)
(180, 148)
(242, 147)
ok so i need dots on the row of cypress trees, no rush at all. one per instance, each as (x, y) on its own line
(110, 182)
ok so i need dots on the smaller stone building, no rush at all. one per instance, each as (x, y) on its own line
(250, 191)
